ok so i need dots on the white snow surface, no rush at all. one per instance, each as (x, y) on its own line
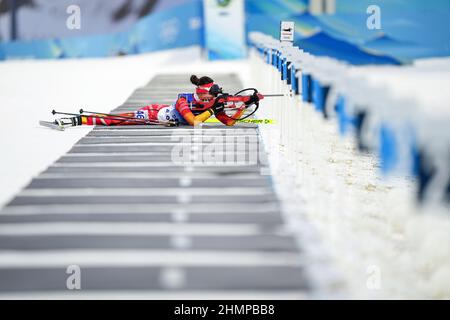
(383, 244)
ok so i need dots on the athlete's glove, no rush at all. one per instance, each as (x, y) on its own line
(215, 90)
(254, 99)
(218, 107)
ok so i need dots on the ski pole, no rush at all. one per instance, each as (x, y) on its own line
(64, 113)
(117, 117)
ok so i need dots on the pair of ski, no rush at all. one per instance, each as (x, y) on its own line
(106, 116)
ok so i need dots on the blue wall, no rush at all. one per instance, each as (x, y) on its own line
(172, 27)
(409, 29)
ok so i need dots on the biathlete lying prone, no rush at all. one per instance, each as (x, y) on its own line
(189, 109)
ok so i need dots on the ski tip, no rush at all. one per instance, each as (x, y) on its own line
(51, 125)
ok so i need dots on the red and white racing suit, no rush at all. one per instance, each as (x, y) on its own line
(187, 110)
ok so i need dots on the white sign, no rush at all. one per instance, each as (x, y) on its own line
(287, 30)
(224, 29)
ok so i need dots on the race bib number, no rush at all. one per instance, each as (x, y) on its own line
(169, 113)
(141, 114)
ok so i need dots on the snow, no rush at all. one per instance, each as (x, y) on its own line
(383, 244)
(425, 82)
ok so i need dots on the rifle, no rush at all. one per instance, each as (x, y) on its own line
(223, 98)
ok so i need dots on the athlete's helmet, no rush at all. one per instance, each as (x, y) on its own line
(205, 86)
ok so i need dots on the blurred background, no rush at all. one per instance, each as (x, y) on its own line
(336, 28)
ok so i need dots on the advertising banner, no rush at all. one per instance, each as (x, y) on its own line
(224, 29)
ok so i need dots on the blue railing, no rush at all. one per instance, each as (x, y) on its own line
(408, 137)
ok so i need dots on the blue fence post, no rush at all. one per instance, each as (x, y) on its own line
(283, 69)
(294, 83)
(288, 72)
(307, 87)
(13, 19)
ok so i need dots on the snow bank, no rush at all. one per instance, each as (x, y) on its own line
(382, 242)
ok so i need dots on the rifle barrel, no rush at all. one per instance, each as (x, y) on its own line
(274, 95)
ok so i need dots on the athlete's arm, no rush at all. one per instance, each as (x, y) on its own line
(229, 121)
(182, 107)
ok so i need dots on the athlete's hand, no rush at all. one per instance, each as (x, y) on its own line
(218, 107)
(254, 98)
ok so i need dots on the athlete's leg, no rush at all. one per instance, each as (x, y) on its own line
(109, 120)
(149, 112)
